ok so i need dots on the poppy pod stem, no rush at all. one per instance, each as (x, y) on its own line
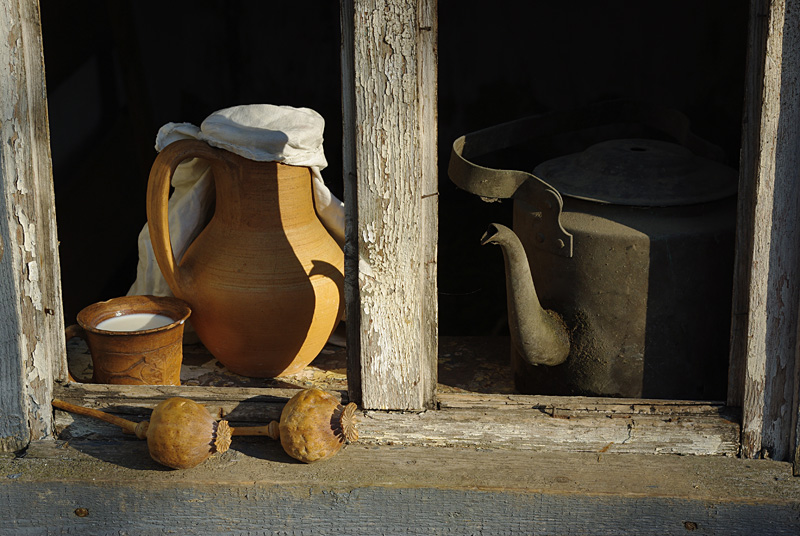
(180, 433)
(271, 430)
(140, 429)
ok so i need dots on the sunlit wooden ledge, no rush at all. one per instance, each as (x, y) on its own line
(112, 486)
(464, 420)
(476, 405)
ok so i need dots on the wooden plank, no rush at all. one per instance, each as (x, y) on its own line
(582, 404)
(748, 171)
(563, 430)
(427, 147)
(390, 181)
(93, 488)
(483, 421)
(255, 405)
(147, 396)
(771, 204)
(32, 329)
(352, 292)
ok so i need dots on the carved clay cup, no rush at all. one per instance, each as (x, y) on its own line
(141, 357)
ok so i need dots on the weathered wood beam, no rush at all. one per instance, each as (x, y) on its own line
(767, 299)
(32, 350)
(86, 487)
(389, 103)
(751, 121)
(518, 422)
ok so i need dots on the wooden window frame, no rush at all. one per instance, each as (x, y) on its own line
(389, 100)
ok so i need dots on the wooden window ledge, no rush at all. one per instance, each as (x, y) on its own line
(477, 407)
(91, 487)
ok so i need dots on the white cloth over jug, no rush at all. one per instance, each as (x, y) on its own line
(260, 132)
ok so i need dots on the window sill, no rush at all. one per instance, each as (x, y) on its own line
(477, 409)
(106, 486)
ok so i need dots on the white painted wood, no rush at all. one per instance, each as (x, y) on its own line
(748, 165)
(765, 351)
(389, 99)
(516, 422)
(32, 350)
(519, 429)
(427, 146)
(564, 431)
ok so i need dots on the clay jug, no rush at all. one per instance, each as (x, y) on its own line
(264, 278)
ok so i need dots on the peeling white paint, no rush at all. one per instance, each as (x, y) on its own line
(32, 288)
(29, 284)
(392, 171)
(39, 366)
(28, 229)
(21, 188)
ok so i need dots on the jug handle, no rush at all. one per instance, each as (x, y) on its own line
(158, 201)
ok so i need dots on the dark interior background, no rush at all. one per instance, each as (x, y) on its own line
(117, 71)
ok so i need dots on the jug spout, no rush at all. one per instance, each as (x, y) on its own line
(540, 336)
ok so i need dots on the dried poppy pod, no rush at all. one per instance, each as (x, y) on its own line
(314, 425)
(180, 434)
(183, 434)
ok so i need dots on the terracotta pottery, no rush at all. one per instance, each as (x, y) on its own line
(264, 278)
(128, 356)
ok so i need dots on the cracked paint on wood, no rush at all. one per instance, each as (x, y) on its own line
(767, 309)
(31, 334)
(392, 182)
